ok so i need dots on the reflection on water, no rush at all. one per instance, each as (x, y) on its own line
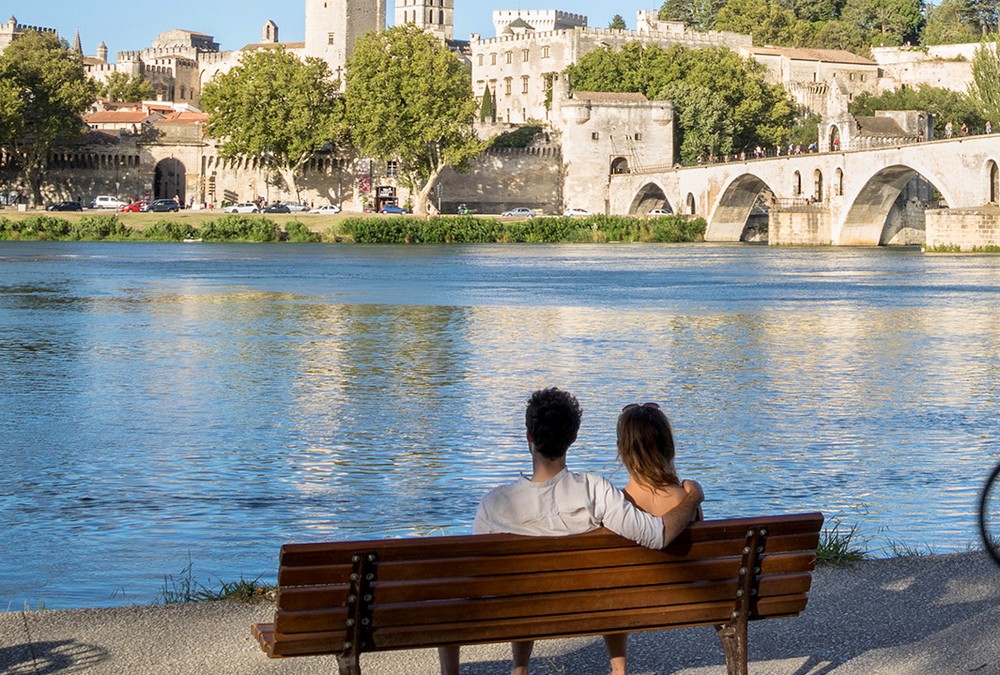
(167, 403)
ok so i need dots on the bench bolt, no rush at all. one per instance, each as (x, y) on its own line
(365, 622)
(352, 598)
(350, 622)
(746, 549)
(369, 576)
(368, 598)
(356, 558)
(347, 645)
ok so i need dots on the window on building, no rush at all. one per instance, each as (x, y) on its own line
(480, 59)
(524, 84)
(329, 38)
(510, 57)
(545, 51)
(493, 59)
(392, 168)
(525, 54)
(507, 85)
(638, 137)
(595, 136)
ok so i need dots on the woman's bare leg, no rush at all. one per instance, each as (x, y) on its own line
(617, 645)
(522, 654)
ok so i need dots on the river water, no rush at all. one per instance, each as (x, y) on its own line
(167, 405)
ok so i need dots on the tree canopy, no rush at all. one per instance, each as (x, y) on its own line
(721, 100)
(617, 23)
(275, 108)
(410, 99)
(946, 105)
(126, 89)
(985, 87)
(43, 95)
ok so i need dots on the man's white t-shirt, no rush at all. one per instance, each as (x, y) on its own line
(570, 503)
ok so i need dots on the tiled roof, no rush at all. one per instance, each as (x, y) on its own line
(632, 97)
(184, 118)
(824, 55)
(117, 117)
(880, 126)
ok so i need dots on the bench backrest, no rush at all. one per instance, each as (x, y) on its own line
(365, 596)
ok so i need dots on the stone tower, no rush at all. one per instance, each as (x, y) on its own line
(333, 26)
(269, 34)
(434, 16)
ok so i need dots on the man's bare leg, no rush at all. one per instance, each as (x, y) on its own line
(617, 645)
(449, 659)
(522, 654)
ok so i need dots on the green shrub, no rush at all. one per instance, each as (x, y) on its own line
(38, 226)
(240, 228)
(521, 137)
(169, 230)
(91, 228)
(300, 233)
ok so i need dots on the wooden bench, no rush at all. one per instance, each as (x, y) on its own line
(349, 598)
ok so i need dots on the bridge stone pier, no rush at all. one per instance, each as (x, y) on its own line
(839, 198)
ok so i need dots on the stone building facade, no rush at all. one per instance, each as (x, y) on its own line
(531, 48)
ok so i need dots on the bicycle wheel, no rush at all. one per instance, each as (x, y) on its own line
(989, 515)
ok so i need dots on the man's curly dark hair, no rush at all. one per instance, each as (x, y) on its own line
(553, 420)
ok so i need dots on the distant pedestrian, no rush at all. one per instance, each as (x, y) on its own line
(965, 129)
(948, 130)
(989, 127)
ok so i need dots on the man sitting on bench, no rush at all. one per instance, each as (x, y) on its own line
(555, 501)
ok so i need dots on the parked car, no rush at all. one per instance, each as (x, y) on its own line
(394, 209)
(576, 213)
(163, 206)
(135, 207)
(64, 206)
(107, 202)
(296, 208)
(243, 207)
(277, 208)
(327, 209)
(660, 212)
(519, 212)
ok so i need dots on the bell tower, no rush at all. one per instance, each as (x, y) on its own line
(333, 26)
(434, 16)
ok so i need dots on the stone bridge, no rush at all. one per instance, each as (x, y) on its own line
(840, 198)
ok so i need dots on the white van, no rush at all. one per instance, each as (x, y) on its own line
(106, 202)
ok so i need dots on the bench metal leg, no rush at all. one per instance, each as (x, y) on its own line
(349, 665)
(733, 637)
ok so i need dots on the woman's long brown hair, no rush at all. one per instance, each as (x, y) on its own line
(646, 445)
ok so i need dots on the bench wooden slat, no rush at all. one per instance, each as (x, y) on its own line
(306, 597)
(487, 565)
(422, 613)
(295, 555)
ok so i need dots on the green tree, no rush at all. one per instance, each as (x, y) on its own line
(946, 105)
(722, 101)
(840, 35)
(617, 23)
(486, 112)
(766, 21)
(818, 10)
(946, 24)
(698, 14)
(985, 87)
(274, 108)
(410, 99)
(885, 23)
(44, 85)
(127, 89)
(984, 14)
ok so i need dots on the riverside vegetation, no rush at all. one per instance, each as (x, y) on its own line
(363, 230)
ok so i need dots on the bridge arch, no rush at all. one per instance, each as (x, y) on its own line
(747, 197)
(868, 220)
(619, 165)
(650, 196)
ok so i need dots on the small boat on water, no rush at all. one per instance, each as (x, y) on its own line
(192, 240)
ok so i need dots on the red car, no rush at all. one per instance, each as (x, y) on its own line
(134, 207)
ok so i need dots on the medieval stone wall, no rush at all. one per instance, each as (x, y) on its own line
(967, 229)
(504, 179)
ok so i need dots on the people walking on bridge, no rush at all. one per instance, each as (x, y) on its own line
(948, 130)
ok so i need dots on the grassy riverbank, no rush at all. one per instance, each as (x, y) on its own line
(370, 229)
